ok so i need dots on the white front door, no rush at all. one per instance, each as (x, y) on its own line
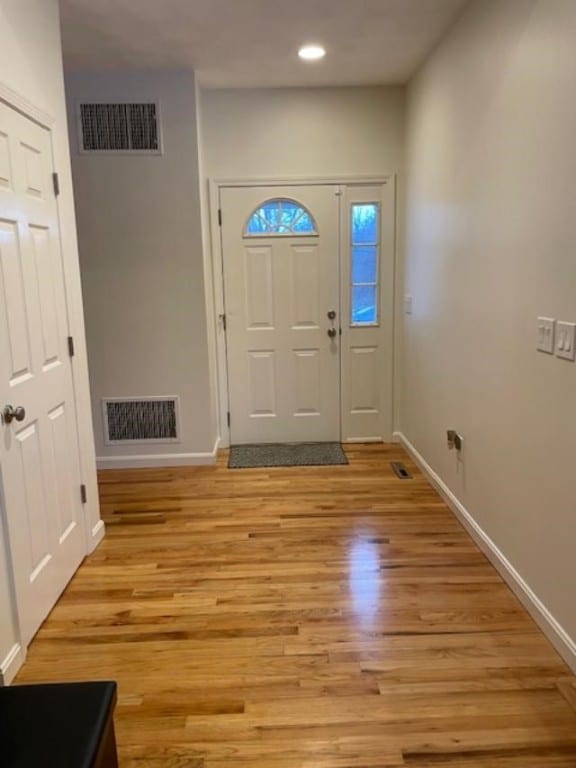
(38, 448)
(281, 286)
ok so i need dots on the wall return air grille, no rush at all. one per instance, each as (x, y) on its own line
(119, 127)
(141, 420)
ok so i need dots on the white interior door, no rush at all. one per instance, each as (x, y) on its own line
(281, 286)
(38, 451)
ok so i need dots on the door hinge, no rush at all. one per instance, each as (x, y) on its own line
(71, 346)
(223, 320)
(56, 184)
(228, 418)
(83, 494)
(219, 217)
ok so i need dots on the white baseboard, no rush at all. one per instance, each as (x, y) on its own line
(557, 635)
(151, 460)
(11, 664)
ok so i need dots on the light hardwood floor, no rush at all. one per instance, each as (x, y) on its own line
(321, 617)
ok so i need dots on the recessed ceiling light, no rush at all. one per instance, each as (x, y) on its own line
(312, 52)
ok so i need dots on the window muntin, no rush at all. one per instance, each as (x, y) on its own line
(365, 258)
(280, 217)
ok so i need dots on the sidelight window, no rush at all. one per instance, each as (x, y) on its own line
(365, 258)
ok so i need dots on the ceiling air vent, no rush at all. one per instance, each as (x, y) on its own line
(141, 420)
(119, 127)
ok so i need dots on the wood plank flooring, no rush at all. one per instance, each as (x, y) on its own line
(330, 617)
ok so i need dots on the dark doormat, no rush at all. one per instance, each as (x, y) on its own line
(286, 455)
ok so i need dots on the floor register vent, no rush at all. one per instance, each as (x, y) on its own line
(400, 470)
(141, 420)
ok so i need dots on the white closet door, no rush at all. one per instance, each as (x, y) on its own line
(39, 450)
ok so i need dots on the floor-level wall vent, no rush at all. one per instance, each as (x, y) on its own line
(141, 420)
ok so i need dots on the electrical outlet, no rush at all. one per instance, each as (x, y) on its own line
(565, 340)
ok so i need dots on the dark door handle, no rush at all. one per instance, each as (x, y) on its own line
(10, 413)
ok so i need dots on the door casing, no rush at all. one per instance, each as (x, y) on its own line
(215, 306)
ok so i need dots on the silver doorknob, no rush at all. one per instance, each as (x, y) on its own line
(332, 332)
(10, 413)
(332, 314)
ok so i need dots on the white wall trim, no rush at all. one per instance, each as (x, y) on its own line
(151, 460)
(214, 323)
(11, 664)
(557, 635)
(18, 102)
(282, 181)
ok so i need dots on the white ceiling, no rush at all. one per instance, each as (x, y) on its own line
(253, 43)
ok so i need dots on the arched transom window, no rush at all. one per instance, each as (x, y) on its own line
(280, 217)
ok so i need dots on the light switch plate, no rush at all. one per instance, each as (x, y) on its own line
(408, 304)
(565, 340)
(546, 334)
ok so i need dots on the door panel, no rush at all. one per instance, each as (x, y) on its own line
(363, 374)
(12, 287)
(29, 462)
(308, 382)
(46, 272)
(305, 287)
(62, 465)
(368, 329)
(32, 166)
(259, 277)
(262, 383)
(39, 454)
(283, 369)
(5, 171)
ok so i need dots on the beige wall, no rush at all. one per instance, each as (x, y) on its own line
(31, 66)
(491, 244)
(142, 263)
(302, 132)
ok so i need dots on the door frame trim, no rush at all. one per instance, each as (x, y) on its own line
(214, 275)
(21, 104)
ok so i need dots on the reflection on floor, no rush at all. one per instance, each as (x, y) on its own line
(327, 617)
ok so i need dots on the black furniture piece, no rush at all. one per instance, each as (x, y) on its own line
(58, 725)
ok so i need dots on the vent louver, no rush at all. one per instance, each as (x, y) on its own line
(130, 127)
(141, 420)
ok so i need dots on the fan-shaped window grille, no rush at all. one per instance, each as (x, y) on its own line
(280, 217)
